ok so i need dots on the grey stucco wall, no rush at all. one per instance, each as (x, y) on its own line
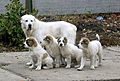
(53, 7)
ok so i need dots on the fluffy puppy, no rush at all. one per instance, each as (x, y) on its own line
(91, 50)
(39, 55)
(69, 51)
(52, 47)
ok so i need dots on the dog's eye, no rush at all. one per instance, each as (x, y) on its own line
(26, 20)
(81, 42)
(31, 20)
(58, 40)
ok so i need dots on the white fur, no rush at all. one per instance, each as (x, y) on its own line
(69, 52)
(40, 29)
(39, 52)
(93, 51)
(53, 50)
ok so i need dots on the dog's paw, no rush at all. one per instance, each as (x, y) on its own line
(38, 68)
(92, 68)
(100, 64)
(79, 69)
(45, 67)
(57, 66)
(67, 67)
(29, 64)
(77, 66)
(31, 67)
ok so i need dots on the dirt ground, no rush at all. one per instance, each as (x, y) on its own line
(14, 62)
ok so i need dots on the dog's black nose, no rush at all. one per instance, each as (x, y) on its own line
(60, 44)
(29, 26)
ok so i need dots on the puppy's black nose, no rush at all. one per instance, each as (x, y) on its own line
(60, 44)
(29, 26)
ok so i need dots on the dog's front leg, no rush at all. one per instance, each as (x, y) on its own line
(92, 60)
(57, 62)
(29, 63)
(82, 63)
(31, 60)
(39, 64)
(68, 62)
(32, 64)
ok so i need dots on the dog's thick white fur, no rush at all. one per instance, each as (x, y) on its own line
(39, 55)
(52, 48)
(39, 29)
(70, 51)
(92, 50)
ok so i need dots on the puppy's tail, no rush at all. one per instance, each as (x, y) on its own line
(98, 37)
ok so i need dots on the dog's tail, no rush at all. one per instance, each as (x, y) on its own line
(98, 37)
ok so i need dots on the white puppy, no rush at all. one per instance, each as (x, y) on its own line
(70, 51)
(39, 55)
(52, 47)
(39, 29)
(91, 50)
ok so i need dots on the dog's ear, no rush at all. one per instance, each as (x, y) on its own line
(58, 38)
(65, 40)
(85, 41)
(48, 39)
(45, 55)
(31, 43)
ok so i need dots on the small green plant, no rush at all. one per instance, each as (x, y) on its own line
(11, 33)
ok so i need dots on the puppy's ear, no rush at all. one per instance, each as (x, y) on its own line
(31, 43)
(58, 38)
(85, 41)
(48, 39)
(45, 55)
(65, 40)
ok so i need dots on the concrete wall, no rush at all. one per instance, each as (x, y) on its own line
(53, 7)
(3, 3)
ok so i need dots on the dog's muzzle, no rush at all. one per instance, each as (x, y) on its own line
(61, 45)
(29, 27)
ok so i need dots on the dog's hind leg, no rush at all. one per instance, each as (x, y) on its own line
(96, 61)
(100, 58)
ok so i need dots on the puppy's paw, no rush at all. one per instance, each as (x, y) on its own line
(96, 66)
(100, 64)
(79, 69)
(31, 67)
(67, 67)
(77, 66)
(57, 66)
(46, 67)
(92, 68)
(38, 68)
(29, 64)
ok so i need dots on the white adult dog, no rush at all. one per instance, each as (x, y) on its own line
(39, 29)
(70, 51)
(92, 50)
(52, 47)
(39, 55)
